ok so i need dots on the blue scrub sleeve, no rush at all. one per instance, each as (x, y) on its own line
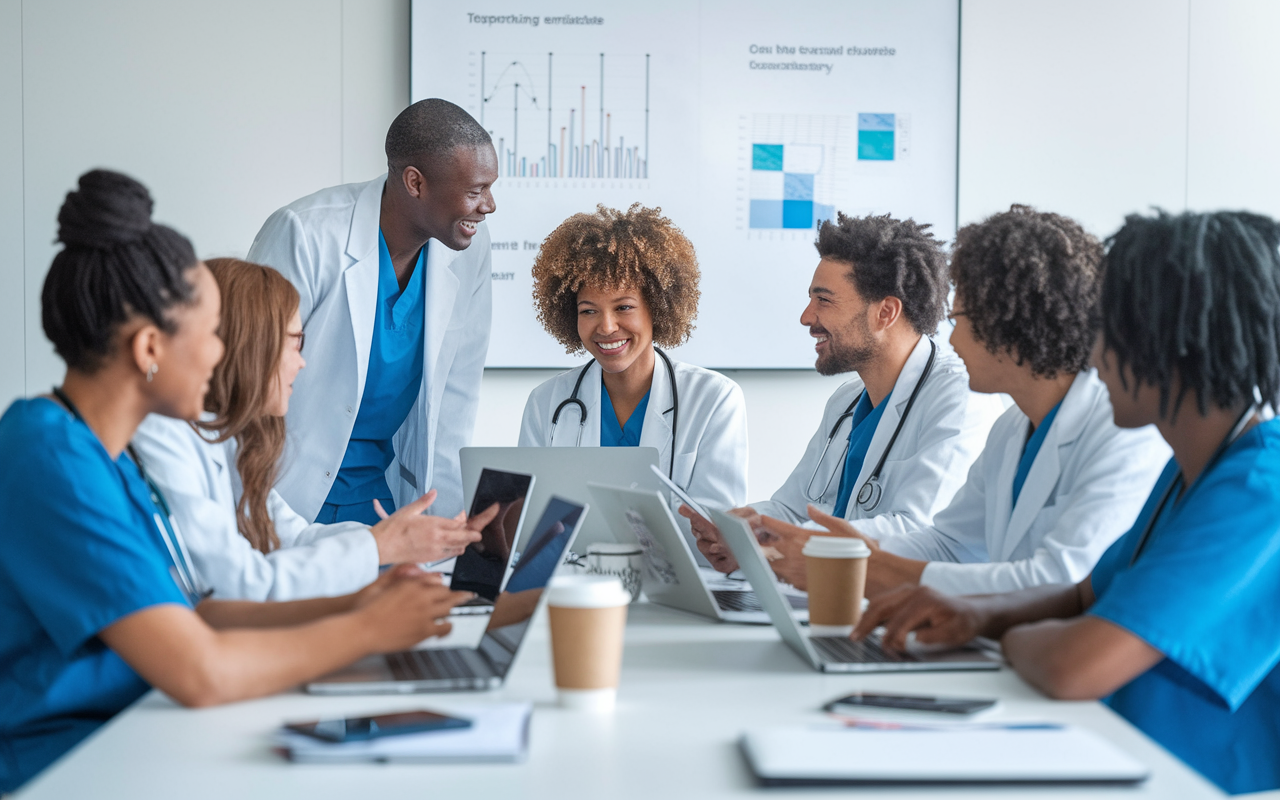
(75, 552)
(1205, 590)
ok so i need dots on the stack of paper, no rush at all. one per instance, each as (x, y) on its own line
(498, 733)
(833, 754)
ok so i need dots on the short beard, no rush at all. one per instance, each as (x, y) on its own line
(840, 359)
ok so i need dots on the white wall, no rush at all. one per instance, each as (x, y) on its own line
(227, 110)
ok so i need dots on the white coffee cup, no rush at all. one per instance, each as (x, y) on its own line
(588, 615)
(836, 574)
(624, 561)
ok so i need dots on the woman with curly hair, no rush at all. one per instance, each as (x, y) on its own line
(620, 286)
(1058, 481)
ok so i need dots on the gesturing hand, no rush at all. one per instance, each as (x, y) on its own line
(408, 606)
(409, 535)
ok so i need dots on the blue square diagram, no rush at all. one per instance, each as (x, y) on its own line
(797, 186)
(875, 145)
(766, 157)
(766, 214)
(797, 214)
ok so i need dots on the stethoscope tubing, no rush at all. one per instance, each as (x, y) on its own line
(572, 400)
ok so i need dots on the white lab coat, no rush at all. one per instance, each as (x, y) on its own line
(1084, 490)
(200, 482)
(326, 244)
(940, 439)
(711, 451)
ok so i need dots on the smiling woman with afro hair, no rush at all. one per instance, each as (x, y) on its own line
(618, 286)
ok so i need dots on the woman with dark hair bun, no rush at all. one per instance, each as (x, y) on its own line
(97, 598)
(245, 542)
(1176, 626)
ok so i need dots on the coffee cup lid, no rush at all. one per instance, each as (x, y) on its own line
(587, 591)
(836, 547)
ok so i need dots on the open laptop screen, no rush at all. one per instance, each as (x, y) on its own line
(534, 568)
(481, 566)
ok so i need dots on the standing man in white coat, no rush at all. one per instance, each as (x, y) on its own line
(394, 276)
(895, 441)
(1057, 482)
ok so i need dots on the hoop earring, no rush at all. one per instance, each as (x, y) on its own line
(152, 370)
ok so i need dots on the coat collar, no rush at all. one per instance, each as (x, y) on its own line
(897, 403)
(656, 431)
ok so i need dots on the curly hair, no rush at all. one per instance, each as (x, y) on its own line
(638, 249)
(1191, 304)
(891, 257)
(1029, 282)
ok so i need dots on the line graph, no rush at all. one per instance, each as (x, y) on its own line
(557, 115)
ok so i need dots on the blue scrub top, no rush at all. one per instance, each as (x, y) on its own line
(864, 421)
(1205, 592)
(1030, 449)
(611, 433)
(390, 389)
(79, 550)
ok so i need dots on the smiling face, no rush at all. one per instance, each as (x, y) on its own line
(837, 317)
(291, 363)
(185, 359)
(615, 326)
(454, 198)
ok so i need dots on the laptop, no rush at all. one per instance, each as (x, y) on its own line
(672, 576)
(485, 666)
(483, 565)
(833, 653)
(565, 472)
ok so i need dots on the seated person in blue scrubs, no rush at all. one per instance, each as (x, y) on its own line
(619, 285)
(97, 599)
(1057, 481)
(1176, 627)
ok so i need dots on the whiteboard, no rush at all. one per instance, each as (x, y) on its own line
(746, 122)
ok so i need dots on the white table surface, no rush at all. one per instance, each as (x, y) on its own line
(689, 689)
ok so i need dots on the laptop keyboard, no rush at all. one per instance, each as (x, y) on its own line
(843, 650)
(443, 664)
(740, 600)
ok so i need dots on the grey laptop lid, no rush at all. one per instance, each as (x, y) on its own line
(565, 472)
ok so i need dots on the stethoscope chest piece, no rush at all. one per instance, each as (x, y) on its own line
(870, 493)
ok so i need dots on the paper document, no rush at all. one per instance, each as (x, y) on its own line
(498, 733)
(978, 753)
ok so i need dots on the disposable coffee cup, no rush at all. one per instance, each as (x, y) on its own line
(588, 616)
(836, 573)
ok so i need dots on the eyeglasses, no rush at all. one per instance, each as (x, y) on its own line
(301, 336)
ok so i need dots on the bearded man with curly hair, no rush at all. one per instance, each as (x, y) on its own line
(1058, 481)
(619, 286)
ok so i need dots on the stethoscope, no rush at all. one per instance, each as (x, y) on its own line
(177, 551)
(573, 400)
(871, 491)
(1177, 483)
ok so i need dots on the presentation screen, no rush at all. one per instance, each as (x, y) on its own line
(748, 123)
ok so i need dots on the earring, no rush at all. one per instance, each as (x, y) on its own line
(152, 370)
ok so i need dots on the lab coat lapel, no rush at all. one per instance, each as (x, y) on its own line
(897, 403)
(656, 432)
(442, 290)
(1043, 476)
(361, 277)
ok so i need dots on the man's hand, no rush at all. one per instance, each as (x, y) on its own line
(411, 536)
(709, 541)
(936, 618)
(885, 570)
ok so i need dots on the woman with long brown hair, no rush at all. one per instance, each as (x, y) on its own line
(217, 473)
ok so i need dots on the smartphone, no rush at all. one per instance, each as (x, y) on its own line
(858, 701)
(359, 729)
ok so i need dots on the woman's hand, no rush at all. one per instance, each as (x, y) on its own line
(411, 536)
(936, 618)
(404, 606)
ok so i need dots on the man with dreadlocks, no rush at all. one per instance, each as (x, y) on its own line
(1176, 626)
(394, 281)
(896, 441)
(620, 286)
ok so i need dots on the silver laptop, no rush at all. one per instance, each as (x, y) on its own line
(832, 653)
(484, 666)
(672, 576)
(565, 472)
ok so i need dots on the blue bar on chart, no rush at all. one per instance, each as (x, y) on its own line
(875, 137)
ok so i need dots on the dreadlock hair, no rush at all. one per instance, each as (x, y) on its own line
(116, 265)
(1191, 304)
(1029, 282)
(891, 257)
(426, 132)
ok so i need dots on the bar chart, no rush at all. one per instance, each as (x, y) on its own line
(565, 115)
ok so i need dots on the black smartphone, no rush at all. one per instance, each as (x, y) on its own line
(853, 703)
(358, 729)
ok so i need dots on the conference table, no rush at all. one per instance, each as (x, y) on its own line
(689, 688)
